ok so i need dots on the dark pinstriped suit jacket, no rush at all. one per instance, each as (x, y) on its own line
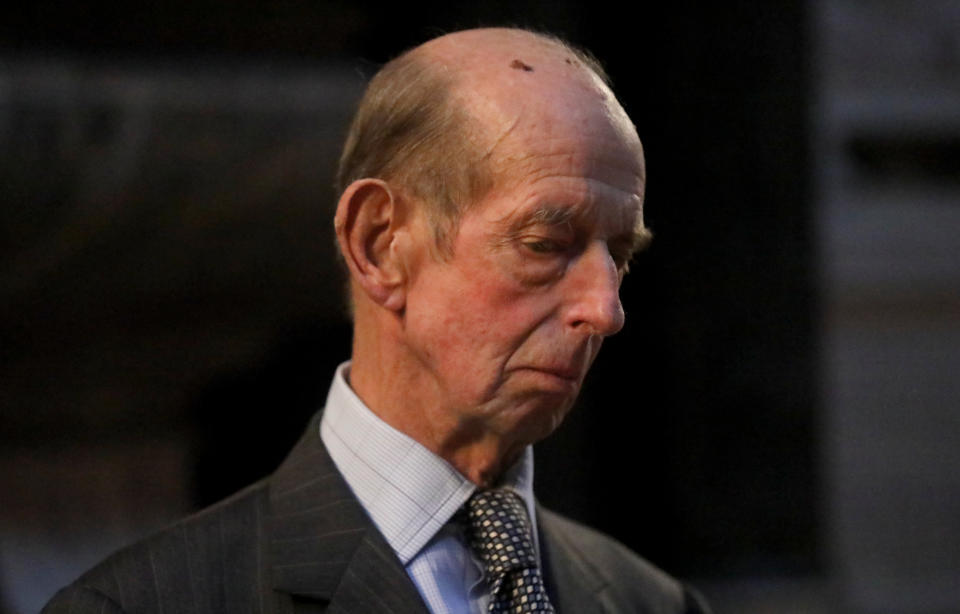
(299, 541)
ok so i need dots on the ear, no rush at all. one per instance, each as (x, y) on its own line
(370, 226)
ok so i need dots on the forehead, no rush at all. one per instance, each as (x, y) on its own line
(596, 151)
(563, 121)
(587, 186)
(585, 159)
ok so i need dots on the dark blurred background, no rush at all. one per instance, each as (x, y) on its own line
(778, 420)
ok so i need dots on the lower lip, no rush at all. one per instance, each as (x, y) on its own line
(553, 381)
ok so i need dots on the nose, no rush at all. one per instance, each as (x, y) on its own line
(594, 292)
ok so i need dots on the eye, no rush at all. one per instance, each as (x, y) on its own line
(543, 246)
(621, 255)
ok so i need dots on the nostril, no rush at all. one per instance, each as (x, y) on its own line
(603, 318)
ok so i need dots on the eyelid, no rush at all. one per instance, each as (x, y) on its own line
(622, 253)
(557, 233)
(549, 245)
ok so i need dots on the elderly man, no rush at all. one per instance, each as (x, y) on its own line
(492, 193)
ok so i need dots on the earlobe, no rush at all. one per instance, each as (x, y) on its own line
(369, 224)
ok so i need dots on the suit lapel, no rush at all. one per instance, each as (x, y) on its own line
(573, 586)
(323, 545)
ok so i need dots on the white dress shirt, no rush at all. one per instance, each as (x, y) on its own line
(411, 494)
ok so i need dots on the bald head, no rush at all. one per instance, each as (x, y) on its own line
(486, 53)
(437, 121)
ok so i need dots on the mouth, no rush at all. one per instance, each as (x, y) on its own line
(553, 379)
(555, 372)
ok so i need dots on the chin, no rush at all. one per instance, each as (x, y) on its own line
(539, 416)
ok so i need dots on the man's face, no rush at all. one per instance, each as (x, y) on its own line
(507, 326)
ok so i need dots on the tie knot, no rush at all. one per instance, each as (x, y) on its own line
(499, 531)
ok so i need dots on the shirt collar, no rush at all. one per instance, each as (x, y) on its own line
(408, 491)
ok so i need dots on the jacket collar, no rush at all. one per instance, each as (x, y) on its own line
(323, 546)
(572, 583)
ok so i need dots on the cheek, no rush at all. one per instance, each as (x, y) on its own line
(475, 312)
(494, 306)
(471, 321)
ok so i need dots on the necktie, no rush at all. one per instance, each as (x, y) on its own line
(499, 533)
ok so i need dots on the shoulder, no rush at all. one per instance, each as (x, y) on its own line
(180, 568)
(620, 578)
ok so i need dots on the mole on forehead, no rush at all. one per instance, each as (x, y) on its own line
(521, 65)
(518, 64)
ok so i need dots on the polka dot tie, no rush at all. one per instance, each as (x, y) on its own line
(499, 533)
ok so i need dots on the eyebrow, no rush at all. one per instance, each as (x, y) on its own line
(638, 240)
(641, 239)
(515, 223)
(547, 215)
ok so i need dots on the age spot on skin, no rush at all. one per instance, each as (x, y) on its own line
(519, 65)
